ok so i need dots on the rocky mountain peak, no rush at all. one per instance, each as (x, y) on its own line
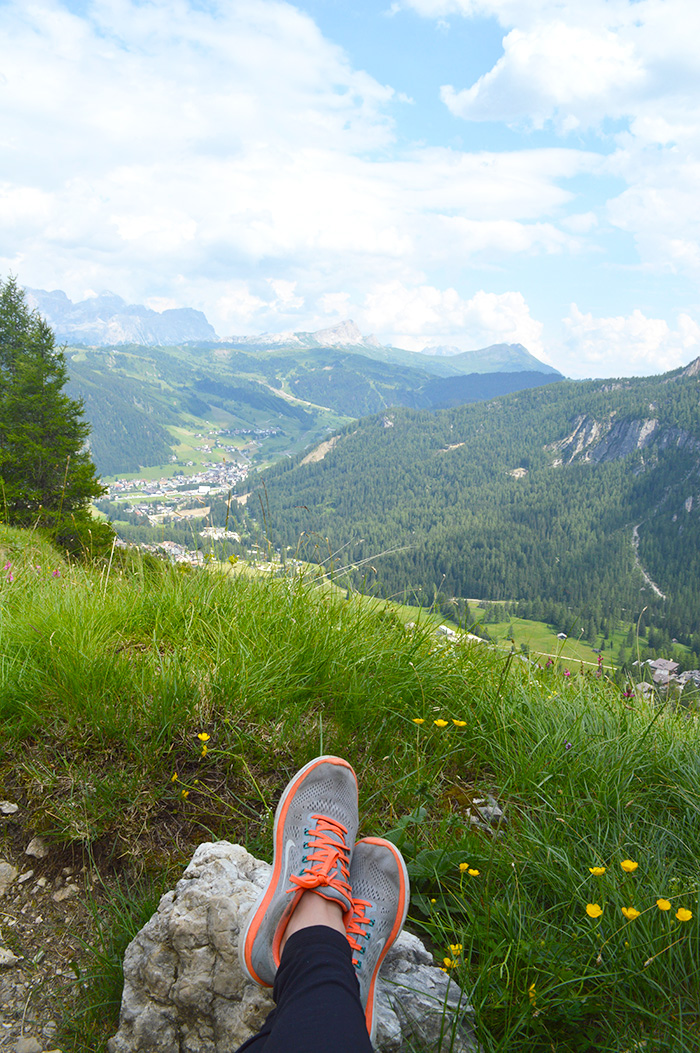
(692, 370)
(107, 319)
(340, 335)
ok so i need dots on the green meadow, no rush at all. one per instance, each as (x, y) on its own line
(145, 708)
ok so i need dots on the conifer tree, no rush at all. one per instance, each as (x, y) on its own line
(47, 476)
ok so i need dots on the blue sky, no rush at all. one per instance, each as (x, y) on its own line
(444, 172)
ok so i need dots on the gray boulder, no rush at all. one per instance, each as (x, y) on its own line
(184, 991)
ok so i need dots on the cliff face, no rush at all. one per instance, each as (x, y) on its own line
(601, 441)
(107, 319)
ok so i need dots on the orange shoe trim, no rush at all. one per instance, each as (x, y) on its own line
(278, 852)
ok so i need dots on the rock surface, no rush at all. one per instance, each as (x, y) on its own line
(184, 991)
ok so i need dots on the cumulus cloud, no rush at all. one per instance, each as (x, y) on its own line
(557, 71)
(231, 157)
(637, 345)
(189, 151)
(621, 70)
(427, 316)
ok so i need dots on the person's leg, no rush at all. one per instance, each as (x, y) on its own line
(318, 1007)
(315, 827)
(318, 997)
(331, 941)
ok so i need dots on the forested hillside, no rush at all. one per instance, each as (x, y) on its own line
(531, 496)
(135, 395)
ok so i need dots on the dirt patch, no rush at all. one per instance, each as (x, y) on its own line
(320, 451)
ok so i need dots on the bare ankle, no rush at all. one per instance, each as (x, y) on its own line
(313, 909)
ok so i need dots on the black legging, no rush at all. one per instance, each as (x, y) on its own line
(317, 999)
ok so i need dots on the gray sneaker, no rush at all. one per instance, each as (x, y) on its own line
(380, 893)
(315, 827)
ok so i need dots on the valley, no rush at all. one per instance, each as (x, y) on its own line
(579, 498)
(533, 495)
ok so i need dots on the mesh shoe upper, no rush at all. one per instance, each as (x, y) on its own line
(381, 893)
(315, 827)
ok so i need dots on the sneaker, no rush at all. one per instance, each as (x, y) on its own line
(315, 825)
(380, 893)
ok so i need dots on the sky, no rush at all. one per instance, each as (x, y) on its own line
(443, 172)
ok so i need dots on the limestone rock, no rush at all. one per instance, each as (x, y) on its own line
(28, 1044)
(8, 808)
(67, 892)
(7, 958)
(8, 873)
(37, 848)
(184, 990)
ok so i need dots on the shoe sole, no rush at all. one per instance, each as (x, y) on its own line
(404, 893)
(264, 899)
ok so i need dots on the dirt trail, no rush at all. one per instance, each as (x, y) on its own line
(635, 546)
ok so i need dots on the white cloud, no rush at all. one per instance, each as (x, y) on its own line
(169, 149)
(228, 156)
(417, 317)
(580, 222)
(631, 345)
(558, 71)
(624, 70)
(336, 304)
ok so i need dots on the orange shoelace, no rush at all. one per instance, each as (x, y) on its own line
(327, 860)
(354, 929)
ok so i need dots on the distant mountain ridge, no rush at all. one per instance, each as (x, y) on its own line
(107, 320)
(345, 334)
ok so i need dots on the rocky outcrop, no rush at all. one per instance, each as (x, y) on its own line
(692, 370)
(601, 441)
(184, 991)
(622, 439)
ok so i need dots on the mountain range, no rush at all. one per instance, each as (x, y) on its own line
(107, 320)
(290, 389)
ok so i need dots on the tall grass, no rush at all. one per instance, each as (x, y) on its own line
(151, 708)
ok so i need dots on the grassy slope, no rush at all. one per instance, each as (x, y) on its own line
(107, 679)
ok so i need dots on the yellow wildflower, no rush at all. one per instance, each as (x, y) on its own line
(450, 963)
(464, 866)
(203, 737)
(204, 750)
(456, 948)
(440, 723)
(185, 794)
(174, 777)
(459, 723)
(630, 913)
(472, 872)
(629, 865)
(418, 720)
(684, 915)
(597, 871)
(594, 910)
(531, 994)
(433, 901)
(663, 904)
